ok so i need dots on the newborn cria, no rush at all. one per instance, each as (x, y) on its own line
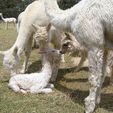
(37, 82)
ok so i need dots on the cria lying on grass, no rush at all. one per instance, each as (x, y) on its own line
(37, 82)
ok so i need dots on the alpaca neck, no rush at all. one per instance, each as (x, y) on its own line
(60, 18)
(2, 17)
(47, 68)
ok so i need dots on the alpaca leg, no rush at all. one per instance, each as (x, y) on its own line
(14, 24)
(27, 55)
(23, 91)
(62, 58)
(83, 58)
(97, 68)
(54, 74)
(6, 25)
(36, 89)
(25, 64)
(14, 87)
(45, 90)
(109, 68)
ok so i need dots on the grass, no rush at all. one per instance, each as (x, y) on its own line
(70, 89)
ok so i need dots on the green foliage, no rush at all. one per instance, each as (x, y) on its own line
(64, 4)
(12, 7)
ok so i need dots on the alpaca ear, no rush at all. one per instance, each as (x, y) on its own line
(15, 51)
(67, 36)
(48, 27)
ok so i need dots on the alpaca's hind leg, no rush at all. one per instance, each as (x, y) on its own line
(6, 25)
(27, 55)
(97, 63)
(36, 89)
(25, 64)
(54, 74)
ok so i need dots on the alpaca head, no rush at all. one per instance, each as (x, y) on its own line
(10, 59)
(67, 45)
(52, 55)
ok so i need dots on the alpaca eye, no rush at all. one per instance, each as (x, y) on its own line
(53, 50)
(65, 45)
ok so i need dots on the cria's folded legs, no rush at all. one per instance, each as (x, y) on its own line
(97, 61)
(36, 90)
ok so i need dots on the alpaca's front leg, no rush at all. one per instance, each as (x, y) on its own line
(62, 58)
(97, 63)
(6, 25)
(54, 74)
(14, 23)
(25, 64)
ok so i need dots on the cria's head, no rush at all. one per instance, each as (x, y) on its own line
(66, 44)
(52, 55)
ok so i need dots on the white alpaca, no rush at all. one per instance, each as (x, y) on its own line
(8, 20)
(34, 14)
(55, 36)
(37, 82)
(91, 22)
(20, 16)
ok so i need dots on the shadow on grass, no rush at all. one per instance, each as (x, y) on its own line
(64, 71)
(78, 95)
(34, 67)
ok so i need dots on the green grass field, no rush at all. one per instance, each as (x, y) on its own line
(69, 93)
